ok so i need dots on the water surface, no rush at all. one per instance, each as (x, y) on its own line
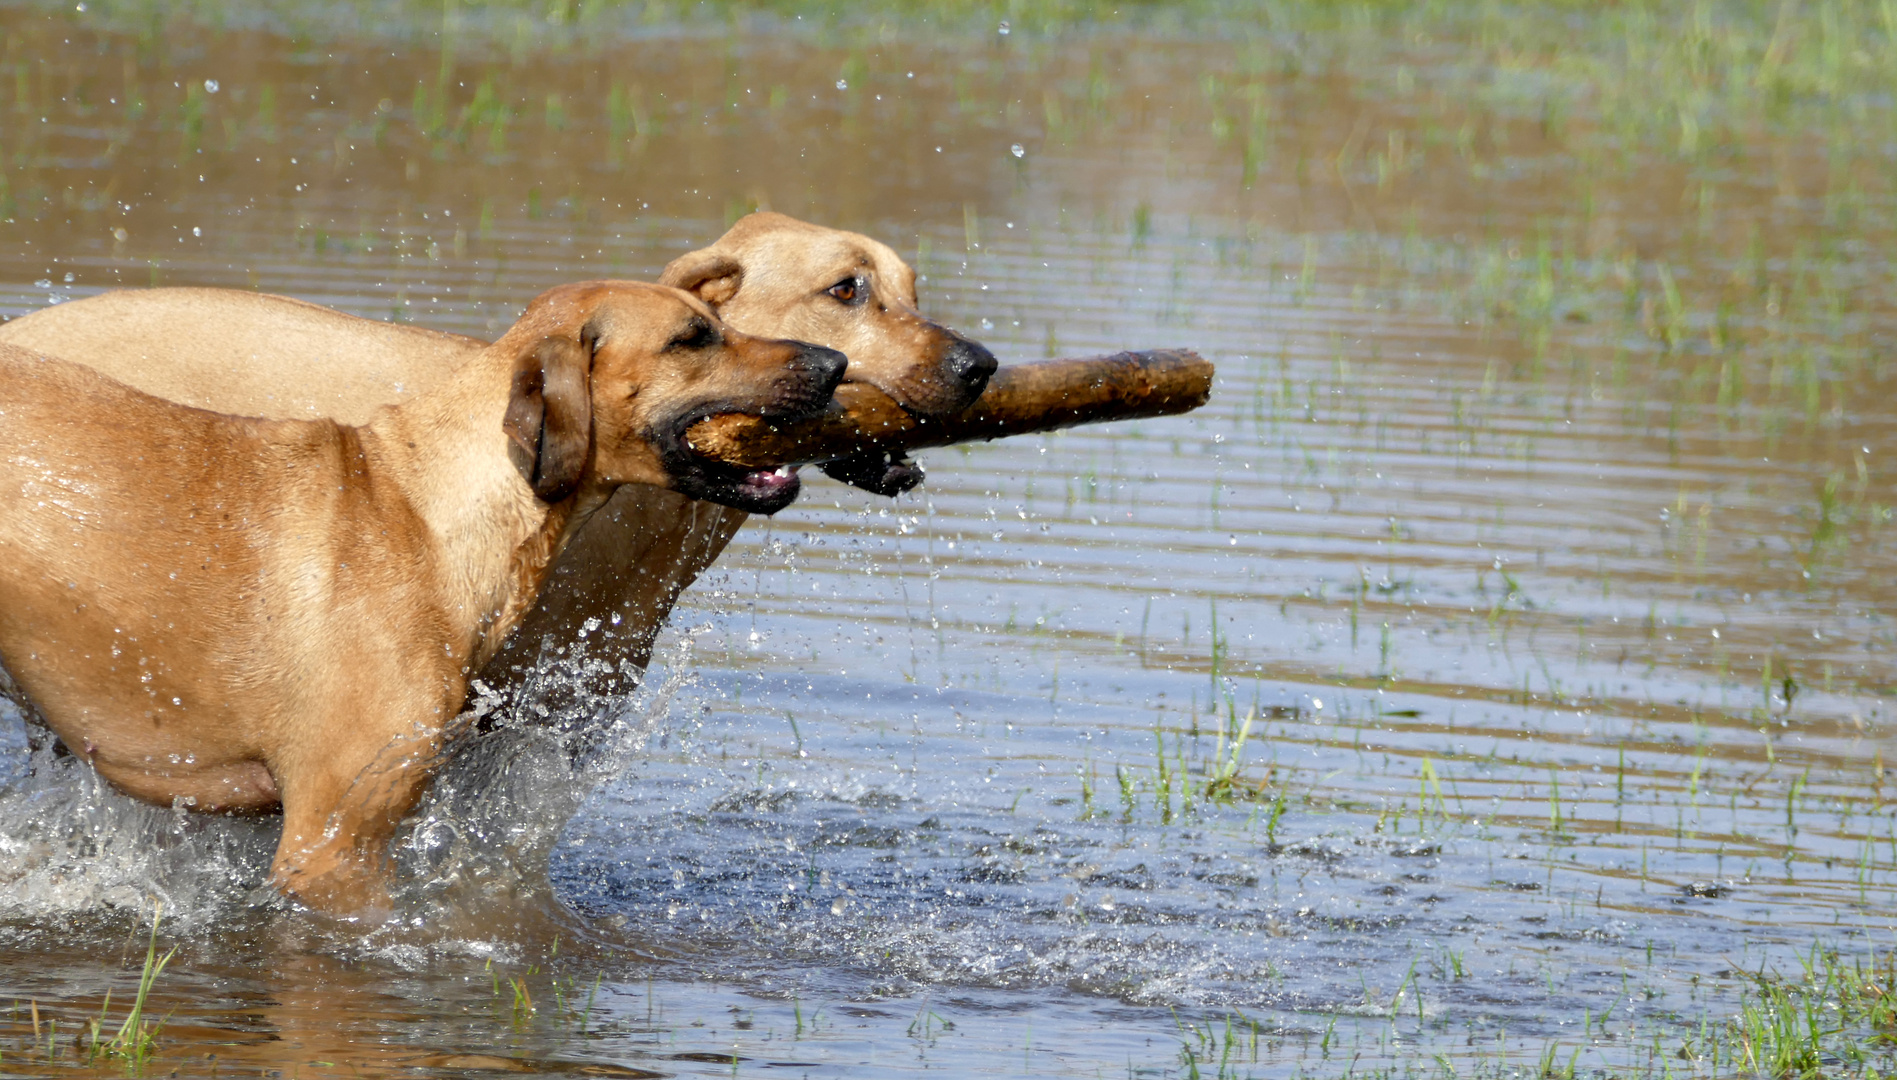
(1537, 524)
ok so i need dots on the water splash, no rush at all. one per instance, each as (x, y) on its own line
(475, 853)
(71, 847)
(470, 861)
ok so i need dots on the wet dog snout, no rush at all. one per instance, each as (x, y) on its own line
(970, 363)
(825, 367)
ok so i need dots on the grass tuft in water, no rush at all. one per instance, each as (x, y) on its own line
(1222, 783)
(136, 1038)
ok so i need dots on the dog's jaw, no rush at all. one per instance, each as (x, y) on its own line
(806, 388)
(766, 491)
(754, 491)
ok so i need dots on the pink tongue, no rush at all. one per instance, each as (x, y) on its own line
(772, 479)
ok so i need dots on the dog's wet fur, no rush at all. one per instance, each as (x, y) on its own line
(236, 614)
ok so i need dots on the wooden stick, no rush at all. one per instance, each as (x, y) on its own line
(1021, 399)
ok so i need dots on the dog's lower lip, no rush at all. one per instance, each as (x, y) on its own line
(769, 482)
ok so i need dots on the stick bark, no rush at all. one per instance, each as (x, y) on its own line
(1021, 399)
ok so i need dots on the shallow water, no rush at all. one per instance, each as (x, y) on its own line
(1538, 521)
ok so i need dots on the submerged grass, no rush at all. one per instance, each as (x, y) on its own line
(132, 1045)
(136, 1036)
(1837, 1013)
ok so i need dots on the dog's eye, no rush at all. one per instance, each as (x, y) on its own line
(849, 291)
(698, 334)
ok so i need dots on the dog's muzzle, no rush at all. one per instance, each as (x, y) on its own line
(809, 379)
(970, 364)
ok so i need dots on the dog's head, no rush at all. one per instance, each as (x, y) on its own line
(611, 373)
(775, 275)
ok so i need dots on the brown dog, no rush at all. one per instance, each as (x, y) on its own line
(237, 614)
(771, 275)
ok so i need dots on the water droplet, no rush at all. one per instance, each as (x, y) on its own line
(210, 86)
(1017, 150)
(843, 84)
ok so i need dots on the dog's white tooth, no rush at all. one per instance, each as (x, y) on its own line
(784, 470)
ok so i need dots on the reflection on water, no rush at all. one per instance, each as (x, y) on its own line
(1537, 521)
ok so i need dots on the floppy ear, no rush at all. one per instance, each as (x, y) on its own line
(710, 275)
(550, 414)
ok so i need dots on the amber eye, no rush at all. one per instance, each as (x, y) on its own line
(847, 291)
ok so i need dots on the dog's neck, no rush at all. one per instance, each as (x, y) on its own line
(528, 567)
(492, 540)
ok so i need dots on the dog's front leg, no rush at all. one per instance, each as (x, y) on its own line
(340, 809)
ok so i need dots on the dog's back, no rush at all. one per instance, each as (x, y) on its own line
(248, 354)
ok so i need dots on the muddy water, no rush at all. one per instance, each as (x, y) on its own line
(1538, 525)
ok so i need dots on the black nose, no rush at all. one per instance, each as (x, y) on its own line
(824, 366)
(969, 362)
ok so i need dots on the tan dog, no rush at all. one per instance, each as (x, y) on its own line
(238, 614)
(771, 275)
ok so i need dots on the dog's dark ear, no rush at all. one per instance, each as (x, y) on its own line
(549, 416)
(712, 276)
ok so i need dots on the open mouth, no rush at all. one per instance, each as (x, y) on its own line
(813, 378)
(777, 487)
(753, 490)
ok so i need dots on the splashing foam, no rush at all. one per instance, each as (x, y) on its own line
(71, 846)
(470, 862)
